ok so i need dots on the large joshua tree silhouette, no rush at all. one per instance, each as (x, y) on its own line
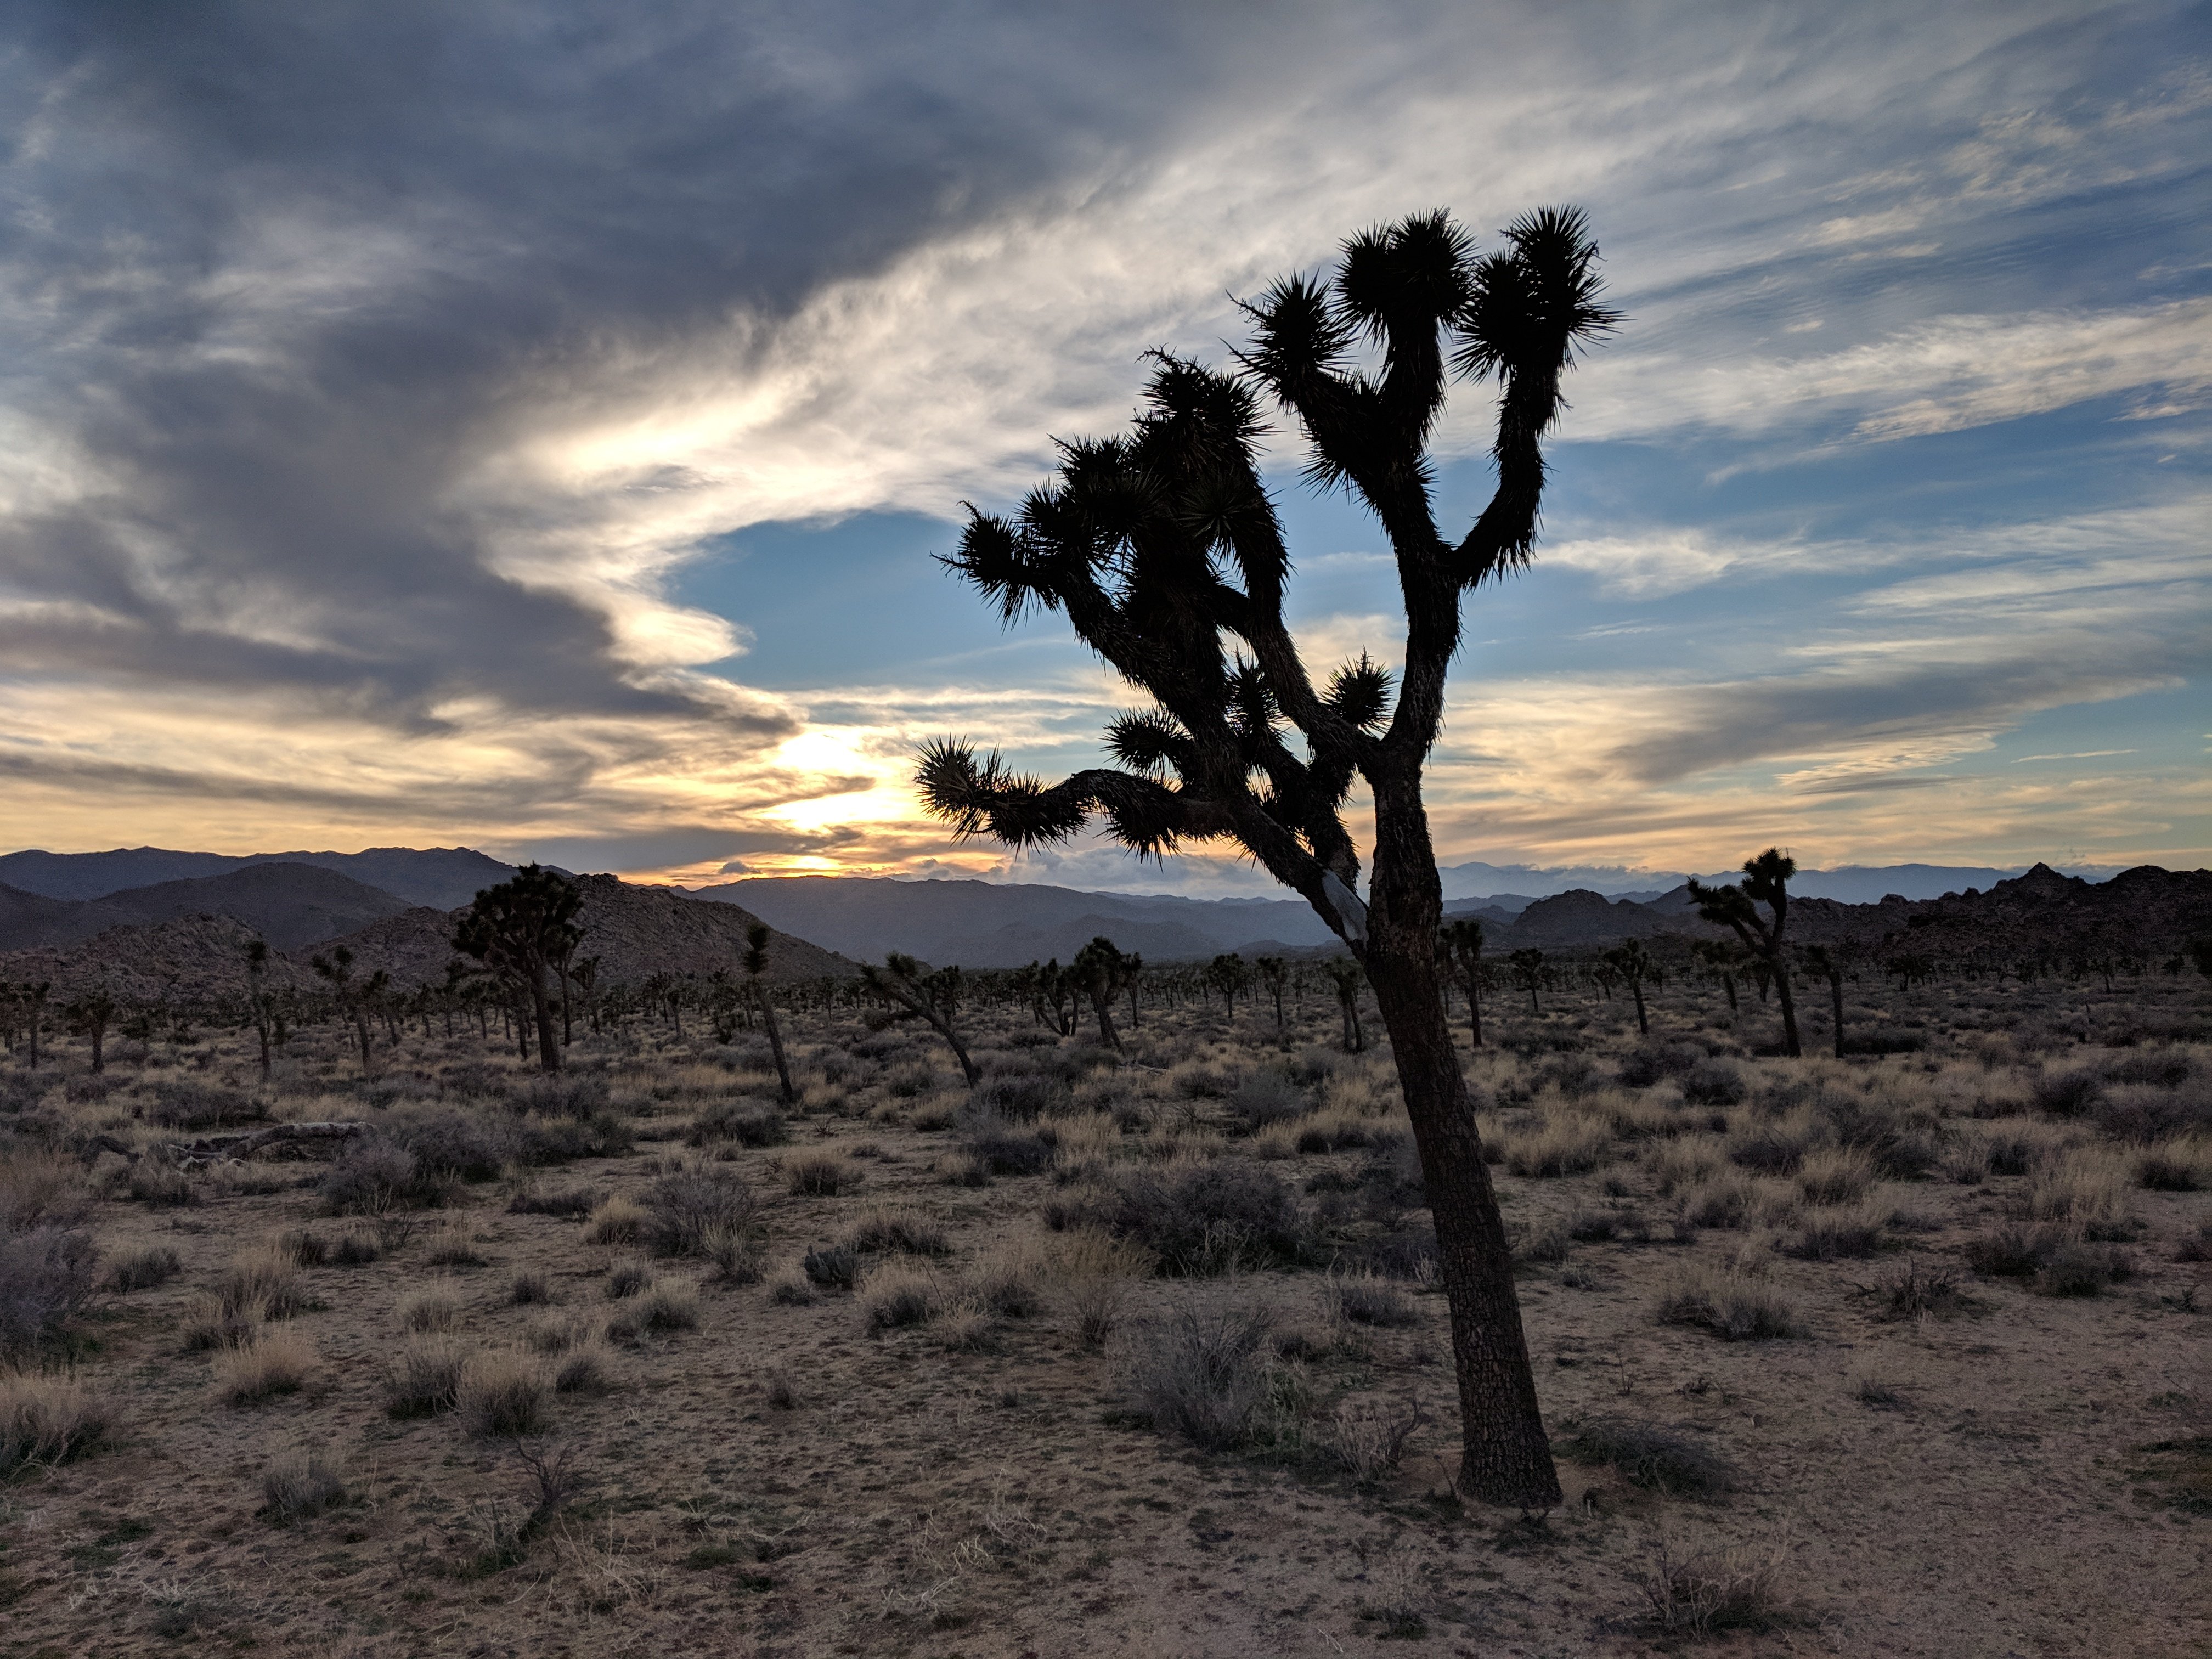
(1163, 551)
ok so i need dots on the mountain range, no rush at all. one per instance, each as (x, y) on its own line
(441, 876)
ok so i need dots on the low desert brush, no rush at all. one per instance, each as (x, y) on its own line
(1836, 1175)
(272, 1364)
(1734, 1306)
(1714, 1592)
(1562, 1145)
(669, 1304)
(615, 1221)
(434, 1309)
(895, 1295)
(425, 1377)
(1648, 1455)
(48, 1418)
(143, 1269)
(299, 1486)
(265, 1278)
(818, 1172)
(884, 1228)
(502, 1393)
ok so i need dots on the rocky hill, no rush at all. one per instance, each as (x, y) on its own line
(293, 906)
(185, 959)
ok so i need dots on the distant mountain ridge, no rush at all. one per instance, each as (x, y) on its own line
(293, 906)
(440, 877)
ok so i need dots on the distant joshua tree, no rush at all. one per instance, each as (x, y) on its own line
(257, 996)
(1348, 976)
(1460, 945)
(1165, 553)
(1228, 975)
(1735, 906)
(915, 993)
(89, 1016)
(1275, 974)
(354, 996)
(1634, 964)
(1527, 966)
(1828, 965)
(1103, 972)
(756, 938)
(525, 929)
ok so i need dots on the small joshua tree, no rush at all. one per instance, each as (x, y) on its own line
(1461, 946)
(756, 941)
(1735, 906)
(914, 993)
(1228, 975)
(1634, 964)
(1103, 972)
(89, 1016)
(1527, 966)
(525, 929)
(257, 996)
(1166, 554)
(1828, 965)
(1345, 976)
(1275, 974)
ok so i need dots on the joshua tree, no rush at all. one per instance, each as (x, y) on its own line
(32, 995)
(756, 938)
(1735, 906)
(525, 928)
(335, 970)
(1528, 967)
(1103, 972)
(1165, 553)
(88, 1016)
(1228, 975)
(257, 995)
(931, 998)
(1460, 945)
(1818, 960)
(1633, 962)
(1346, 973)
(1275, 975)
(1721, 959)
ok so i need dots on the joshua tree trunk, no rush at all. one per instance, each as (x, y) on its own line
(1503, 1444)
(541, 1011)
(1642, 1025)
(788, 1094)
(1790, 1044)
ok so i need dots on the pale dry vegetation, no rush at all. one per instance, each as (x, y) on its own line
(1058, 1364)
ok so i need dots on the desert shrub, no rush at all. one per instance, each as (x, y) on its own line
(2012, 1152)
(153, 1180)
(264, 1280)
(1659, 1459)
(1561, 1146)
(300, 1486)
(2066, 1093)
(1908, 1292)
(1008, 1289)
(747, 1123)
(188, 1103)
(1543, 1243)
(2198, 1245)
(1406, 1252)
(1366, 1297)
(1713, 1593)
(571, 1202)
(1650, 1063)
(563, 1094)
(373, 1175)
(453, 1145)
(619, 1220)
(964, 1327)
(1265, 1097)
(1905, 1145)
(1776, 1147)
(819, 1172)
(669, 1304)
(47, 1418)
(1367, 1436)
(2165, 1068)
(273, 1363)
(356, 1247)
(887, 1229)
(2086, 1188)
(1025, 1097)
(792, 1290)
(897, 1296)
(425, 1378)
(1713, 1083)
(529, 1290)
(2175, 1166)
(542, 1142)
(2075, 1269)
(501, 1393)
(688, 1210)
(1835, 1235)
(583, 1369)
(1603, 1226)
(1836, 1175)
(1202, 1376)
(1001, 1148)
(431, 1309)
(141, 1269)
(626, 1278)
(2013, 1250)
(837, 1267)
(452, 1245)
(46, 1275)
(1727, 1200)
(1733, 1307)
(1208, 1217)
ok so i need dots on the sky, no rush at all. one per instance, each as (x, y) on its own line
(529, 427)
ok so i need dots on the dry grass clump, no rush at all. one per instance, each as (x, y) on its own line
(2086, 1188)
(1734, 1306)
(818, 1172)
(48, 1418)
(2183, 1164)
(452, 1244)
(424, 1379)
(897, 1296)
(1203, 1377)
(1363, 1298)
(1851, 1233)
(1007, 1287)
(272, 1364)
(47, 1272)
(571, 1203)
(964, 1326)
(626, 1278)
(586, 1368)
(793, 1289)
(529, 1290)
(265, 1279)
(144, 1269)
(299, 1486)
(1715, 1591)
(741, 1122)
(1562, 1145)
(884, 1228)
(617, 1221)
(1691, 1161)
(699, 1212)
(1836, 1175)
(502, 1393)
(1646, 1455)
(431, 1309)
(669, 1304)
(1733, 1200)
(42, 1187)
